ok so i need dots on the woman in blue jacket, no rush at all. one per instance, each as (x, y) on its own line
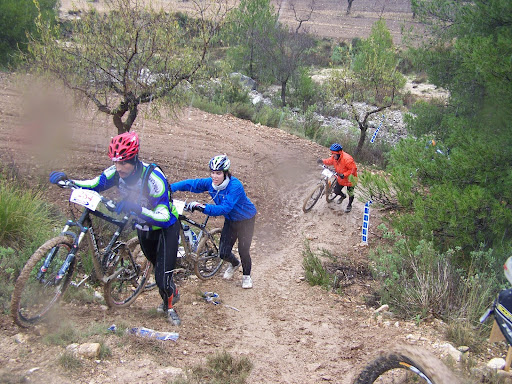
(230, 201)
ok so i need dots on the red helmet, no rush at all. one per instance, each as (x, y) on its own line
(124, 146)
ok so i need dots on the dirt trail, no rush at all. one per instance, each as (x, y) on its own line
(291, 332)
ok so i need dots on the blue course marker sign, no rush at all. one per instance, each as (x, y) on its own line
(377, 130)
(366, 221)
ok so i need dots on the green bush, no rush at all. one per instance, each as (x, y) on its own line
(17, 19)
(314, 271)
(417, 281)
(221, 368)
(25, 224)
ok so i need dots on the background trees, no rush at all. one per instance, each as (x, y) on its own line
(374, 76)
(17, 19)
(130, 55)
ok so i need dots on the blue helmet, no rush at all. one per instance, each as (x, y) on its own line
(336, 147)
(220, 163)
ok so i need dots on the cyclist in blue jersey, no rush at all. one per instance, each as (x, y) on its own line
(239, 213)
(145, 193)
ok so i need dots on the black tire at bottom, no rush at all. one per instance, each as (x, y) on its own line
(410, 362)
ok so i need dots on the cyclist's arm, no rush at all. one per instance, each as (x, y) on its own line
(106, 180)
(192, 185)
(157, 212)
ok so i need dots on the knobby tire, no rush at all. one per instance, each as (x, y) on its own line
(406, 364)
(132, 271)
(329, 194)
(34, 296)
(313, 197)
(208, 261)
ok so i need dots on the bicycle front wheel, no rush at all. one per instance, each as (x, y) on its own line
(405, 364)
(208, 261)
(329, 193)
(37, 289)
(129, 277)
(313, 197)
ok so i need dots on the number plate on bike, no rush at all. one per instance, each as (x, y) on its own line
(327, 173)
(179, 204)
(89, 199)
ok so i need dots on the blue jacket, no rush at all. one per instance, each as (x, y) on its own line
(231, 202)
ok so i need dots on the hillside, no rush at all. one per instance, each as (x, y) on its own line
(291, 332)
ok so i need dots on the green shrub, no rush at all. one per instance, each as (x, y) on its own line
(25, 224)
(221, 368)
(315, 272)
(419, 281)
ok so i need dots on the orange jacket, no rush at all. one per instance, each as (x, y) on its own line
(344, 165)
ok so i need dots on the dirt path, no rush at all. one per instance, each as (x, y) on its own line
(290, 331)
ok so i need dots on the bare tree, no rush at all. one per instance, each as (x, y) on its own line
(374, 75)
(130, 55)
(285, 49)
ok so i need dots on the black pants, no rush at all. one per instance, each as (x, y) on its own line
(161, 248)
(338, 190)
(243, 231)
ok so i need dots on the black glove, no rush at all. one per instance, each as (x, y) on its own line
(194, 205)
(128, 207)
(320, 161)
(341, 175)
(56, 176)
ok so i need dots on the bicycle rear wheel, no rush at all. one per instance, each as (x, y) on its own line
(130, 274)
(208, 261)
(36, 292)
(405, 364)
(134, 246)
(313, 197)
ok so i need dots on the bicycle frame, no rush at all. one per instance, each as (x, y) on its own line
(84, 225)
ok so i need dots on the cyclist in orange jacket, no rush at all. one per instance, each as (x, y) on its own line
(344, 165)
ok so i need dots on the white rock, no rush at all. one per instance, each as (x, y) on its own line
(496, 363)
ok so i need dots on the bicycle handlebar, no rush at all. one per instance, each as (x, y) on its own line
(69, 184)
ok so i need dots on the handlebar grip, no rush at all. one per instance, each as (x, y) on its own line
(110, 204)
(66, 184)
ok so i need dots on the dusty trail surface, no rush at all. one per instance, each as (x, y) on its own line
(290, 331)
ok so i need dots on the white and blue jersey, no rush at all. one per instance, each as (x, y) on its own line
(154, 199)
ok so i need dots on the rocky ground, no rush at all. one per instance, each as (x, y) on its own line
(290, 331)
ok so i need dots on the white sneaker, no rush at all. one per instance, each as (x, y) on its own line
(246, 282)
(230, 271)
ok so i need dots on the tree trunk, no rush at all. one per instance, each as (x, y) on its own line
(120, 112)
(362, 137)
(349, 6)
(283, 93)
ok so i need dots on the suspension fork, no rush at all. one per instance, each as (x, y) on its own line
(49, 258)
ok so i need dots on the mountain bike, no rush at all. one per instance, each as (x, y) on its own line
(406, 364)
(325, 186)
(120, 266)
(198, 251)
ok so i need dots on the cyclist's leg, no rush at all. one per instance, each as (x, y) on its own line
(350, 193)
(337, 190)
(245, 229)
(228, 238)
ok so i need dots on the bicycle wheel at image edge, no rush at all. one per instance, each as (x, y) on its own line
(129, 276)
(406, 364)
(208, 261)
(312, 198)
(35, 293)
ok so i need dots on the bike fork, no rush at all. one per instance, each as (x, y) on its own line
(69, 259)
